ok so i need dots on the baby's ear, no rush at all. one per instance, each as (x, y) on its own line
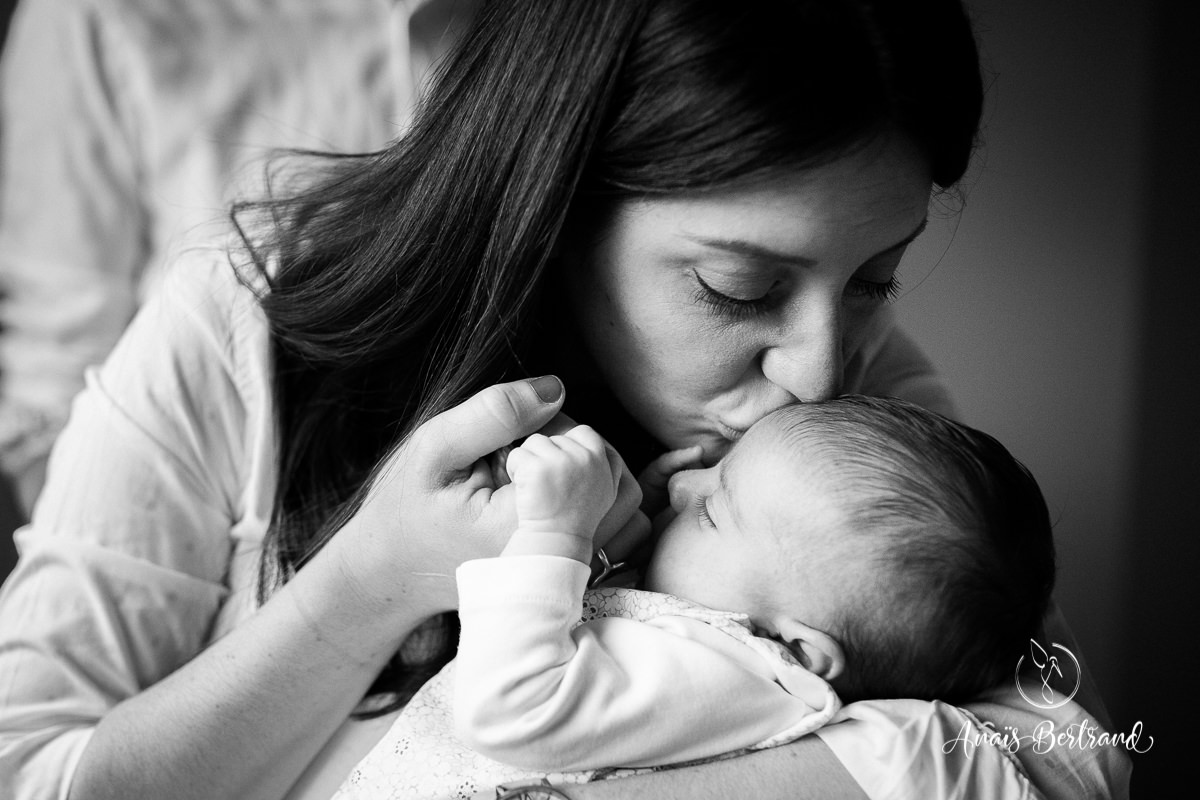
(816, 650)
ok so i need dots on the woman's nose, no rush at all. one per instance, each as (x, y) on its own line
(806, 360)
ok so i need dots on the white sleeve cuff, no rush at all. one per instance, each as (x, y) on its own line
(521, 580)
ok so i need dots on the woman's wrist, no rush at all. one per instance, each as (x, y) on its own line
(259, 703)
(395, 594)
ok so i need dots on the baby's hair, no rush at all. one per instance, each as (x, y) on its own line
(957, 529)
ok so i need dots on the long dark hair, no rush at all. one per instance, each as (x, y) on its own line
(401, 282)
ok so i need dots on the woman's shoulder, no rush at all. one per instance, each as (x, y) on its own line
(212, 276)
(213, 293)
(918, 748)
(199, 347)
(991, 748)
(1065, 750)
(189, 387)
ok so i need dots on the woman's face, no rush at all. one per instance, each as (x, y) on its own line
(704, 312)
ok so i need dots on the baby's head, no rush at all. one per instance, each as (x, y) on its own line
(897, 553)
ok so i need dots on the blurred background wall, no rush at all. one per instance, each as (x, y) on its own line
(1030, 297)
(1059, 303)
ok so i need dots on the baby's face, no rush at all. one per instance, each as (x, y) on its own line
(753, 534)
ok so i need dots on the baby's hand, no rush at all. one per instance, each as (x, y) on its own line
(565, 484)
(657, 475)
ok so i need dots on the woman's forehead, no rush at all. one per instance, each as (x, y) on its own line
(864, 192)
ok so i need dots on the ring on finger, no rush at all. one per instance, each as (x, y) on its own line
(607, 567)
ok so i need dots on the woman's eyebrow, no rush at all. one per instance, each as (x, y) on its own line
(759, 253)
(751, 251)
(906, 241)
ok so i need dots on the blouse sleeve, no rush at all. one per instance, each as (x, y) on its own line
(125, 563)
(999, 746)
(897, 749)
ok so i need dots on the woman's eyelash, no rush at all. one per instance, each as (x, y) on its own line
(702, 511)
(730, 306)
(742, 308)
(874, 290)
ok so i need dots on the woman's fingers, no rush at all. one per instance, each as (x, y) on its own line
(656, 476)
(559, 423)
(489, 420)
(497, 467)
(621, 526)
(659, 471)
(628, 538)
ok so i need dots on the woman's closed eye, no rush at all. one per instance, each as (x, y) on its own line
(737, 307)
(876, 280)
(877, 291)
(730, 305)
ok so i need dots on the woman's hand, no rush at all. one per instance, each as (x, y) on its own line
(656, 476)
(436, 501)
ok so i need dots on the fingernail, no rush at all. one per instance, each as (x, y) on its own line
(548, 388)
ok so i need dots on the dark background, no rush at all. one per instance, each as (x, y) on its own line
(1058, 308)
(1062, 310)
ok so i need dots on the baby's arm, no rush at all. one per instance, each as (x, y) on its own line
(517, 611)
(534, 690)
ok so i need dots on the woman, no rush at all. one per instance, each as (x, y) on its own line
(689, 212)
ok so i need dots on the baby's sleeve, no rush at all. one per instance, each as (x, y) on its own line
(536, 691)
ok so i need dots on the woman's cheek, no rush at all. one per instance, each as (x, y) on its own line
(862, 318)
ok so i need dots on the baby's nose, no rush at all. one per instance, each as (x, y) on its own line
(684, 486)
(676, 488)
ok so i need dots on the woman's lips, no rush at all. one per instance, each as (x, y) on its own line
(716, 448)
(730, 432)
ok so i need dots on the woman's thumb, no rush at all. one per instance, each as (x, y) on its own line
(493, 418)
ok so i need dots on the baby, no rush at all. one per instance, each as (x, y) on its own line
(861, 548)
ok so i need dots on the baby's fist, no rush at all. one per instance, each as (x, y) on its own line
(564, 483)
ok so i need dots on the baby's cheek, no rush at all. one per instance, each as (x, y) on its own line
(669, 553)
(661, 521)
